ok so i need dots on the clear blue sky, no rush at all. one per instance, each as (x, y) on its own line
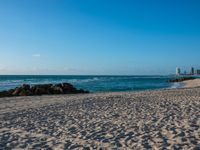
(125, 37)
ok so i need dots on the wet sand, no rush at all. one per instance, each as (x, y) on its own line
(124, 120)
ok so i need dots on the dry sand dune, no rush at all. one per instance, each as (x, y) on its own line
(162, 119)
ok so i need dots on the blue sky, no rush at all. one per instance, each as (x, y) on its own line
(112, 37)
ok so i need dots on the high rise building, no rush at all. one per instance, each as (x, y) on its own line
(178, 71)
(192, 71)
(198, 72)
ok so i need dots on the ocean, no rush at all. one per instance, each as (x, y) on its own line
(91, 83)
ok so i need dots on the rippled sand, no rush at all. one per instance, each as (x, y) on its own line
(131, 120)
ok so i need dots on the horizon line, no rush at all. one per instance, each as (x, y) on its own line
(84, 75)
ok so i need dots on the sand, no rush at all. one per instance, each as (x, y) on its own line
(160, 119)
(191, 83)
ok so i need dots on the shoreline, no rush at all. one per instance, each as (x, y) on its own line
(191, 83)
(195, 83)
(164, 118)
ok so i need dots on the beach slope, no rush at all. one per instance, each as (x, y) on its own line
(124, 120)
(192, 83)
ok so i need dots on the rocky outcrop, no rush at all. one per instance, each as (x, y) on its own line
(181, 79)
(42, 89)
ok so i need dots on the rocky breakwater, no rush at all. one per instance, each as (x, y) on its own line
(42, 89)
(181, 79)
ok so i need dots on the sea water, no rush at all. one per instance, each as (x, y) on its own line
(91, 83)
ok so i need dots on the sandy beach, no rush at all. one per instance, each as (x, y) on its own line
(191, 83)
(99, 75)
(160, 119)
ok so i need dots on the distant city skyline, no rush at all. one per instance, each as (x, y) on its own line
(98, 37)
(191, 71)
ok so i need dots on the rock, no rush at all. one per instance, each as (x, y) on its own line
(10, 91)
(68, 88)
(17, 91)
(26, 87)
(67, 85)
(82, 91)
(41, 89)
(181, 79)
(4, 94)
(56, 90)
(43, 86)
(25, 93)
(58, 85)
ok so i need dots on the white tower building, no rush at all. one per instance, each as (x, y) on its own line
(178, 71)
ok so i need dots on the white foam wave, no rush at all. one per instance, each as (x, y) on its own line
(176, 85)
(83, 80)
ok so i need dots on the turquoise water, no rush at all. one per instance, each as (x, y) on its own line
(91, 83)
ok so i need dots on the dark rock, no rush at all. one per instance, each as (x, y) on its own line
(26, 87)
(10, 92)
(39, 91)
(56, 90)
(42, 89)
(68, 88)
(17, 91)
(33, 88)
(181, 79)
(4, 94)
(67, 85)
(25, 93)
(43, 86)
(82, 91)
(58, 85)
